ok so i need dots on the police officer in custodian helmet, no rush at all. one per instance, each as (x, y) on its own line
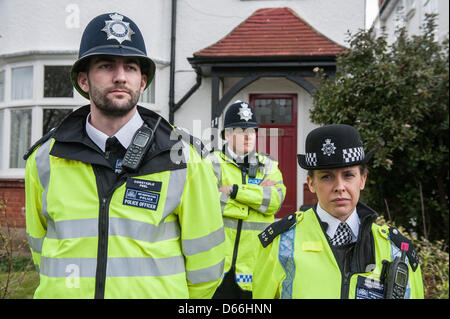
(252, 192)
(109, 214)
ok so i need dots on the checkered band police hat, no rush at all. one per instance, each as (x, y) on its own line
(333, 146)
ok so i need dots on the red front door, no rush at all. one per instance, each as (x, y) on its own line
(277, 118)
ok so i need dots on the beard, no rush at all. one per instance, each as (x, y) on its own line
(113, 107)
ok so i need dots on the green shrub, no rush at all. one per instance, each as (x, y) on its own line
(397, 96)
(17, 263)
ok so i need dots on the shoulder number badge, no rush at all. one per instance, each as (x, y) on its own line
(117, 29)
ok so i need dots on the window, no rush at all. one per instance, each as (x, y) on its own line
(148, 96)
(20, 137)
(400, 16)
(57, 82)
(22, 83)
(410, 8)
(273, 111)
(2, 86)
(431, 6)
(52, 117)
(35, 96)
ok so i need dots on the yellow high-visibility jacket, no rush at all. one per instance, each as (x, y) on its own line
(255, 205)
(300, 264)
(156, 233)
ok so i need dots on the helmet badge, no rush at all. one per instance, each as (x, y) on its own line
(117, 29)
(245, 112)
(328, 147)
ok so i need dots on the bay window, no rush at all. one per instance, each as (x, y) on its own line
(35, 95)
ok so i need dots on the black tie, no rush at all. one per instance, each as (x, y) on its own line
(114, 153)
(342, 236)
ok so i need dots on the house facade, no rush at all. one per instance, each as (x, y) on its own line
(394, 14)
(208, 54)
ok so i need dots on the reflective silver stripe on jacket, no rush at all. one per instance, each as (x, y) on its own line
(133, 229)
(177, 179)
(223, 201)
(35, 243)
(206, 274)
(280, 192)
(267, 194)
(117, 266)
(128, 267)
(43, 169)
(246, 225)
(202, 244)
(216, 167)
(267, 166)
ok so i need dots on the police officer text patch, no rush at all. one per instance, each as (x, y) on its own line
(145, 185)
(254, 181)
(141, 199)
(367, 288)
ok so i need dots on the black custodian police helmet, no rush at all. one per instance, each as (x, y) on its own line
(240, 114)
(112, 34)
(333, 146)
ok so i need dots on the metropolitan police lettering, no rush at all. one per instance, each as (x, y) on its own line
(140, 193)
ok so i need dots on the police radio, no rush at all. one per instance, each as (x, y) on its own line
(139, 146)
(396, 276)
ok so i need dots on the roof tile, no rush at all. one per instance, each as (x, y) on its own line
(272, 32)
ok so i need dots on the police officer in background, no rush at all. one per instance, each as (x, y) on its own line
(252, 192)
(108, 213)
(335, 249)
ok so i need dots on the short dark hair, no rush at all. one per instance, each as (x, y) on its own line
(362, 169)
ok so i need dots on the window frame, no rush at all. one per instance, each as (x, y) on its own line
(36, 104)
(43, 81)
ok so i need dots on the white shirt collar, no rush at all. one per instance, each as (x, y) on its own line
(234, 155)
(352, 221)
(124, 135)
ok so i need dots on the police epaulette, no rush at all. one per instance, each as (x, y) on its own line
(195, 142)
(199, 146)
(267, 155)
(397, 238)
(42, 140)
(277, 228)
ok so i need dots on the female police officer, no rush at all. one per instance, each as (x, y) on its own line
(335, 250)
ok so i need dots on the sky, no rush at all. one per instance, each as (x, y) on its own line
(371, 12)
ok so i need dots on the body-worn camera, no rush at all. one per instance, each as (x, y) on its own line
(395, 276)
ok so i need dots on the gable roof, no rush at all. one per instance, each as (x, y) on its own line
(273, 32)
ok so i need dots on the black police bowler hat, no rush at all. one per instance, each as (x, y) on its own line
(112, 34)
(333, 146)
(240, 114)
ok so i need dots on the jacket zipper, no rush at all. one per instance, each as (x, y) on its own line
(347, 275)
(345, 286)
(102, 253)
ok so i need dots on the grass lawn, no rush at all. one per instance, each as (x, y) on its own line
(19, 287)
